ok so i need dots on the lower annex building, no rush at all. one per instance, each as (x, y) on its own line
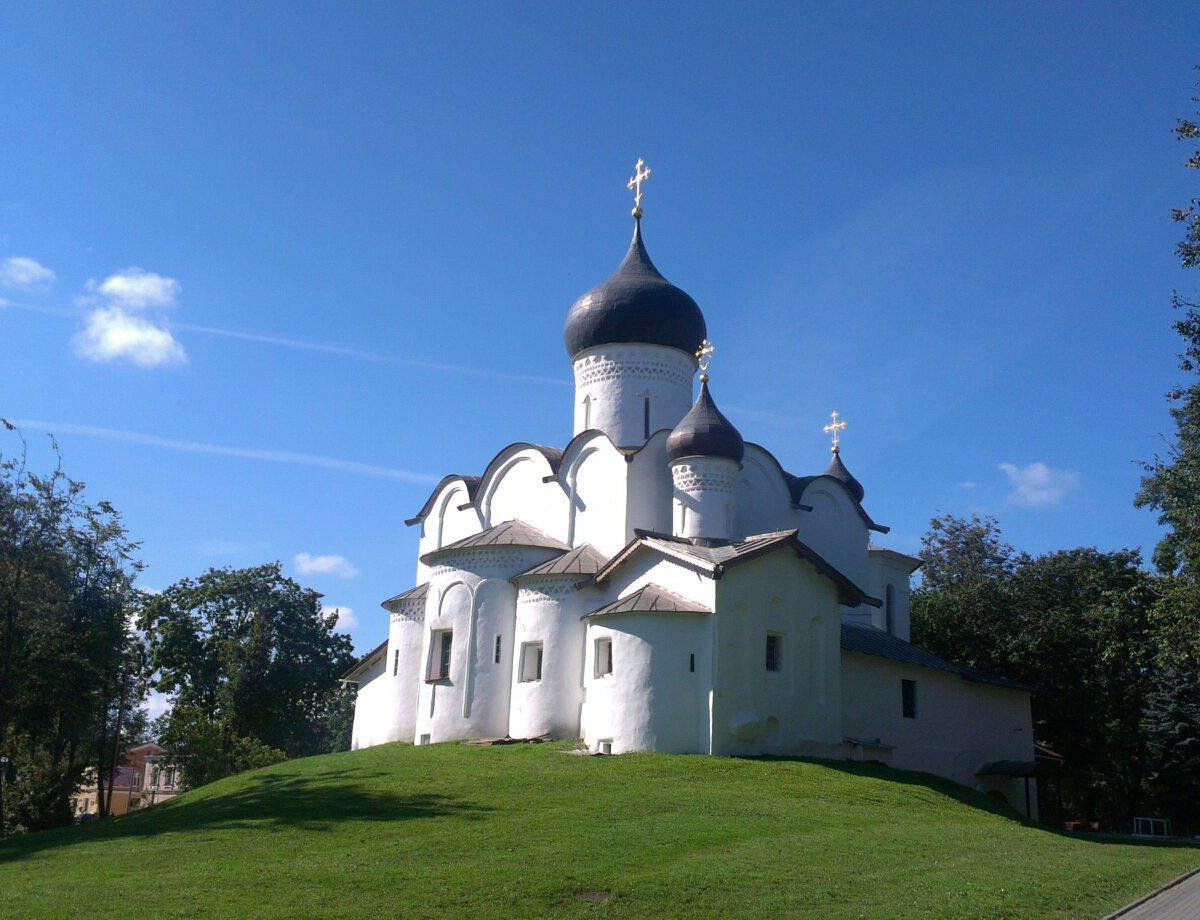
(658, 584)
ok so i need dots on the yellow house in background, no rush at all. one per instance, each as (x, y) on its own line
(142, 778)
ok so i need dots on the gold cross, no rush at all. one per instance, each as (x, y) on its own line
(704, 357)
(835, 428)
(641, 174)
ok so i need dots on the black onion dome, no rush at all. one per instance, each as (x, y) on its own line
(637, 304)
(705, 432)
(838, 471)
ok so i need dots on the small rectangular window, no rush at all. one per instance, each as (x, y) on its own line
(497, 658)
(439, 655)
(395, 662)
(646, 417)
(774, 652)
(531, 661)
(424, 740)
(908, 698)
(604, 662)
(692, 663)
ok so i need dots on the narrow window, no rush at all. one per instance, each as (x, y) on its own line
(889, 610)
(587, 412)
(646, 416)
(497, 658)
(908, 698)
(774, 652)
(692, 663)
(439, 655)
(395, 662)
(531, 662)
(604, 663)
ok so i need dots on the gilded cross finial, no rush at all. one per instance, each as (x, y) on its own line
(704, 357)
(640, 175)
(835, 428)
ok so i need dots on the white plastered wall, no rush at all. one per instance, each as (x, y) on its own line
(648, 501)
(834, 529)
(797, 709)
(595, 475)
(445, 523)
(517, 490)
(883, 569)
(959, 724)
(705, 497)
(403, 668)
(764, 503)
(470, 593)
(373, 708)
(613, 382)
(549, 611)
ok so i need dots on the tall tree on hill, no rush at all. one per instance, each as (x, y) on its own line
(1171, 486)
(66, 570)
(252, 665)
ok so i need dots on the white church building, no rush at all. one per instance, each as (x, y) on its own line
(658, 584)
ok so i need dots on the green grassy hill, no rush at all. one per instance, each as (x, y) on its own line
(533, 831)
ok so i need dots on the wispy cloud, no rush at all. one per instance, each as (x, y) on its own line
(222, 450)
(368, 356)
(346, 620)
(114, 330)
(308, 564)
(1038, 485)
(111, 334)
(23, 273)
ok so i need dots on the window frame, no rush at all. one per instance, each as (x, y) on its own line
(908, 698)
(602, 664)
(537, 650)
(773, 662)
(441, 651)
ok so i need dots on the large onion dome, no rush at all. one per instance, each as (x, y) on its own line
(637, 304)
(705, 432)
(838, 471)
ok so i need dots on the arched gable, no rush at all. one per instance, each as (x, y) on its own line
(593, 475)
(765, 502)
(521, 484)
(834, 527)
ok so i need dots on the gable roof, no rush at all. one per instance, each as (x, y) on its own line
(412, 594)
(364, 662)
(471, 482)
(714, 560)
(510, 533)
(584, 559)
(871, 641)
(650, 598)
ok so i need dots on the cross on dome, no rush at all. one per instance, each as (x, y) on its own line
(704, 357)
(835, 428)
(640, 175)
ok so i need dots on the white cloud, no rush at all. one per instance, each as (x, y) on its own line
(24, 273)
(352, 467)
(157, 704)
(346, 620)
(307, 564)
(1038, 485)
(111, 334)
(136, 289)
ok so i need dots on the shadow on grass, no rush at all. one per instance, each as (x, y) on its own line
(977, 800)
(315, 803)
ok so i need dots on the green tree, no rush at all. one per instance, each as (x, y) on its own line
(66, 572)
(252, 666)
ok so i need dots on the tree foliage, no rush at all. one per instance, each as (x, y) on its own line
(252, 666)
(70, 672)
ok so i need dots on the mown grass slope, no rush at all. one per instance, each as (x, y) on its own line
(532, 831)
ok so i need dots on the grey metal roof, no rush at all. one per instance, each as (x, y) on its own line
(510, 533)
(364, 661)
(871, 641)
(705, 432)
(713, 560)
(838, 471)
(637, 304)
(582, 560)
(412, 594)
(649, 598)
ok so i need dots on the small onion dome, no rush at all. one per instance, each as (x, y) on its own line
(705, 432)
(636, 304)
(838, 471)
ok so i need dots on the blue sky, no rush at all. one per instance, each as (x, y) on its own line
(272, 270)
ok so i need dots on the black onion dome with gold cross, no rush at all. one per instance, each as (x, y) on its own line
(837, 469)
(704, 431)
(637, 304)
